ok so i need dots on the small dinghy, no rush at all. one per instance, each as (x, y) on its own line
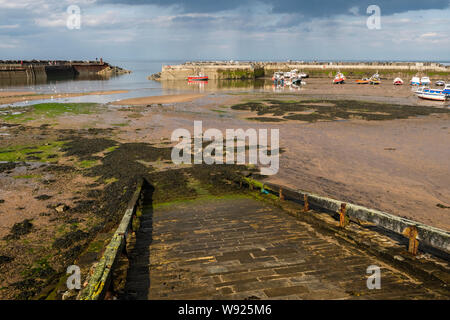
(363, 81)
(375, 79)
(339, 78)
(199, 77)
(398, 82)
(425, 81)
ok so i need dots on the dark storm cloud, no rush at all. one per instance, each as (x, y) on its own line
(305, 7)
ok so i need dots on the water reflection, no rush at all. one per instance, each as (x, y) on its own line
(226, 85)
(52, 80)
(215, 85)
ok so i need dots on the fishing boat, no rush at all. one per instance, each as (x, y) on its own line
(398, 82)
(199, 77)
(415, 81)
(425, 81)
(339, 78)
(434, 94)
(363, 81)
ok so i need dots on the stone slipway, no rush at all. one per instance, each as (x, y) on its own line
(245, 248)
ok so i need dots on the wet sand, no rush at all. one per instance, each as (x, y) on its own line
(175, 98)
(13, 97)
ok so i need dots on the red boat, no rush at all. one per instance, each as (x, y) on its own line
(339, 78)
(198, 78)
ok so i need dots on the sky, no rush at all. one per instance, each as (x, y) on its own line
(225, 30)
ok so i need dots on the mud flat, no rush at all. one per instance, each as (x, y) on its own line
(176, 98)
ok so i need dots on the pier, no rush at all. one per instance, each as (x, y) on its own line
(16, 71)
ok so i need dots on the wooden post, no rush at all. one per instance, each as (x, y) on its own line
(305, 203)
(411, 232)
(342, 215)
(281, 194)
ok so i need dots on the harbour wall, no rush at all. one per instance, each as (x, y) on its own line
(252, 70)
(28, 72)
(214, 72)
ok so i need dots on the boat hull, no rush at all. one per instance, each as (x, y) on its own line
(434, 97)
(203, 78)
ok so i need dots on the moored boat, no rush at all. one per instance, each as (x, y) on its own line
(303, 75)
(436, 96)
(362, 81)
(339, 78)
(433, 94)
(415, 81)
(398, 82)
(440, 83)
(375, 79)
(199, 77)
(425, 81)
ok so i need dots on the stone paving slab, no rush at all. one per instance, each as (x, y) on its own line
(248, 249)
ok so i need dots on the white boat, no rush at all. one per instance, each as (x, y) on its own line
(434, 94)
(421, 90)
(415, 81)
(425, 81)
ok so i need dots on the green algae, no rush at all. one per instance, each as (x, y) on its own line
(45, 111)
(47, 152)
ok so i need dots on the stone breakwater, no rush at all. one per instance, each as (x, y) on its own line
(252, 70)
(14, 71)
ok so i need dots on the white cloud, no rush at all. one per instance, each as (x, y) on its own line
(429, 35)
